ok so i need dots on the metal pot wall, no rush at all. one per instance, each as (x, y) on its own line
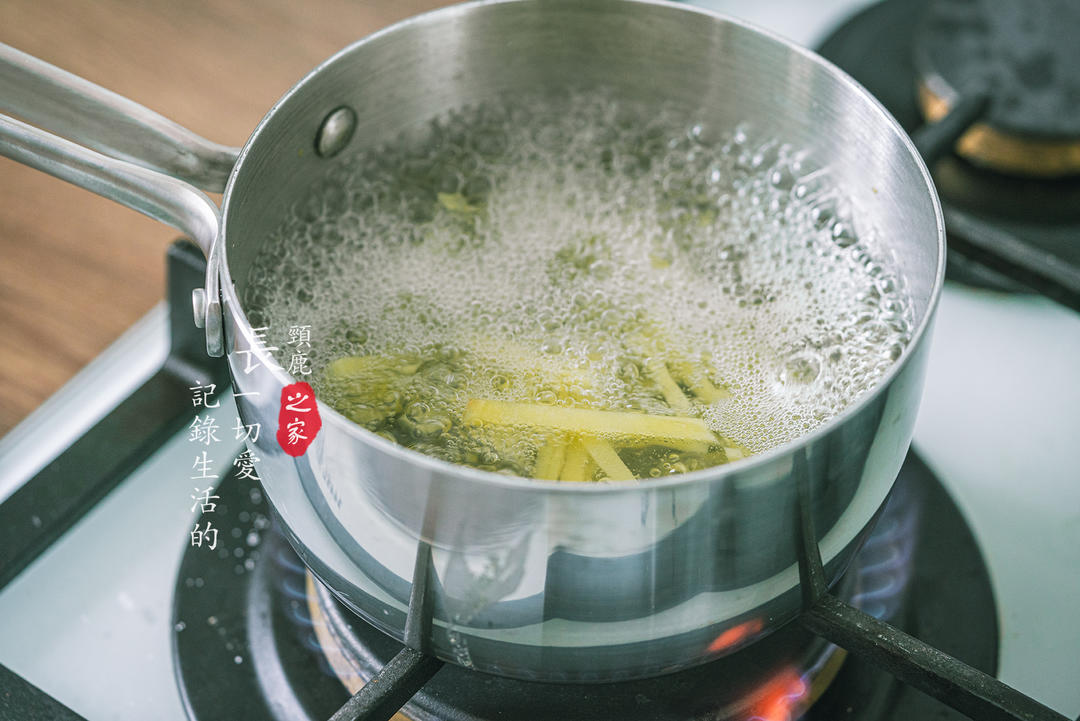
(533, 579)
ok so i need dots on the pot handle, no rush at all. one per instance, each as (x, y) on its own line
(54, 99)
(147, 162)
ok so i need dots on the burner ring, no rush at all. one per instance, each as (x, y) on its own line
(986, 146)
(781, 691)
(332, 644)
(1024, 55)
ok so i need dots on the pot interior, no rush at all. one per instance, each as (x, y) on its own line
(721, 73)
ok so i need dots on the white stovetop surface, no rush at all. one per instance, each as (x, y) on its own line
(89, 621)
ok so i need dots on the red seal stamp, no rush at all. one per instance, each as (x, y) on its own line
(298, 419)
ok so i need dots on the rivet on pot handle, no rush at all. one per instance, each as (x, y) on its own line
(139, 158)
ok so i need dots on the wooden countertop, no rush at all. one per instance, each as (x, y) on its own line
(76, 269)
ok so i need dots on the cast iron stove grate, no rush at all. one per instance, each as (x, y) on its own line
(275, 618)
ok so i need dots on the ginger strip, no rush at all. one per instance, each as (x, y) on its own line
(369, 365)
(605, 456)
(733, 454)
(456, 203)
(697, 448)
(674, 396)
(550, 459)
(588, 422)
(353, 365)
(576, 465)
(698, 382)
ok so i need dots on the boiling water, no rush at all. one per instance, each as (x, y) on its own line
(548, 254)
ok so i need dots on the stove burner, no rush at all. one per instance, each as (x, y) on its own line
(779, 677)
(246, 644)
(1024, 55)
(876, 46)
(765, 680)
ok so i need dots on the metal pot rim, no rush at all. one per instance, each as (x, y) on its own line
(489, 478)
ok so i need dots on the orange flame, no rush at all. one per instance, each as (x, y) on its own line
(780, 698)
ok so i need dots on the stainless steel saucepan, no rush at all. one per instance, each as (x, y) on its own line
(525, 578)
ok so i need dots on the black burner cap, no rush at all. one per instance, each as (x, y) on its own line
(1026, 54)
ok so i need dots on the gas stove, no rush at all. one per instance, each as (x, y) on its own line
(308, 654)
(110, 612)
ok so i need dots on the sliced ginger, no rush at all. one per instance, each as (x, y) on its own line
(367, 385)
(588, 422)
(668, 369)
(733, 453)
(605, 456)
(550, 459)
(580, 441)
(365, 365)
(576, 466)
(695, 378)
(660, 375)
(456, 203)
(697, 448)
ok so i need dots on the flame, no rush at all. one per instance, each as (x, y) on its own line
(735, 635)
(780, 699)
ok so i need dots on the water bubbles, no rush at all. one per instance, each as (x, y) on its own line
(335, 199)
(892, 306)
(552, 346)
(875, 332)
(417, 411)
(312, 209)
(843, 235)
(601, 269)
(547, 397)
(823, 214)
(520, 250)
(801, 369)
(447, 179)
(490, 141)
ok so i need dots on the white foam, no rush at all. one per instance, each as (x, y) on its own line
(592, 223)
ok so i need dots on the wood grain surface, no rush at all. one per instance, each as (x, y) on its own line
(77, 270)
